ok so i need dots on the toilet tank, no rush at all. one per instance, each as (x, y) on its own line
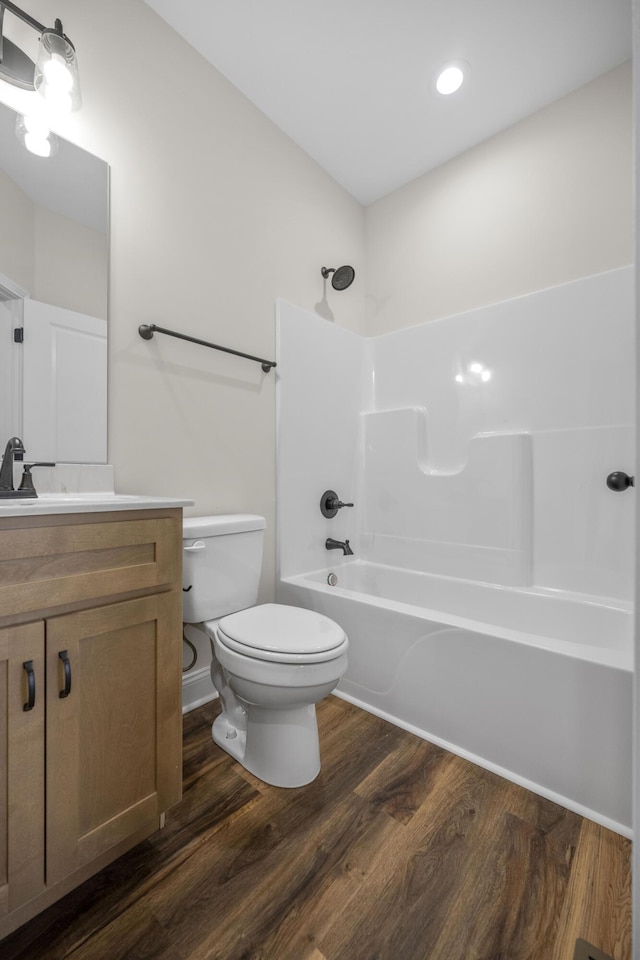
(222, 558)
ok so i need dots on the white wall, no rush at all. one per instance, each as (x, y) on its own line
(214, 214)
(17, 238)
(546, 201)
(71, 264)
(58, 260)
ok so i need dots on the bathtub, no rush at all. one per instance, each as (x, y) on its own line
(535, 685)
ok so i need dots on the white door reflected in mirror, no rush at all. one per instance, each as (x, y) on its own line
(65, 385)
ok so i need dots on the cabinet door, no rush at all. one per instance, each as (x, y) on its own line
(21, 764)
(113, 743)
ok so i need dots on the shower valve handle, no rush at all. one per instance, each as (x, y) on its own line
(330, 503)
(338, 504)
(619, 481)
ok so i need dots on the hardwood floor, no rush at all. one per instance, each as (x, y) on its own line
(398, 851)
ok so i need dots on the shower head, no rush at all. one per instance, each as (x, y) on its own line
(342, 276)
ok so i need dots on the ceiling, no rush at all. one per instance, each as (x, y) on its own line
(352, 81)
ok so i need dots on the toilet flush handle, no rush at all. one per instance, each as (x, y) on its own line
(196, 547)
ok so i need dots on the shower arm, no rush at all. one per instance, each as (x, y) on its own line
(147, 330)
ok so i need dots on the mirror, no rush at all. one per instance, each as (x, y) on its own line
(54, 249)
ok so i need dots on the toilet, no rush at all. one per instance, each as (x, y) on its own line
(271, 663)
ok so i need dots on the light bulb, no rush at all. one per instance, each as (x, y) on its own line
(57, 75)
(34, 133)
(41, 146)
(58, 100)
(36, 126)
(56, 72)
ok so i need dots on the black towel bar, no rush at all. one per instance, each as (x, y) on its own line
(147, 330)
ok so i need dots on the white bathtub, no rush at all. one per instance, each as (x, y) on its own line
(532, 684)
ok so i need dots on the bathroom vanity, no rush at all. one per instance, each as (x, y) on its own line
(90, 674)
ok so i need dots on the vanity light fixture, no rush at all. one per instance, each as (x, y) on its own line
(54, 74)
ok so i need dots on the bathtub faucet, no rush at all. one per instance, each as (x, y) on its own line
(332, 544)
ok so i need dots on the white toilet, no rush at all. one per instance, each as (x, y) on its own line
(271, 663)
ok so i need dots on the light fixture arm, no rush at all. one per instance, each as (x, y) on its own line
(31, 21)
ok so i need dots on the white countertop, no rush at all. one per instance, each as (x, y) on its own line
(49, 503)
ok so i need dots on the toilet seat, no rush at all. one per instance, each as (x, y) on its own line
(281, 634)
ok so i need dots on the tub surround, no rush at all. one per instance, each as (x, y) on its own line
(323, 371)
(449, 534)
(474, 446)
(488, 604)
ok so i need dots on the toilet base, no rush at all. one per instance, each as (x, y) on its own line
(228, 737)
(280, 747)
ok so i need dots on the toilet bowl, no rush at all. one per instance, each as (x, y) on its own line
(271, 663)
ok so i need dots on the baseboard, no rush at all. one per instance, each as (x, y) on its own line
(197, 689)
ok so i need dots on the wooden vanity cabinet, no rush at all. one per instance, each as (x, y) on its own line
(22, 748)
(90, 644)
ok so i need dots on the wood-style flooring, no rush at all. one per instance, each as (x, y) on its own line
(398, 851)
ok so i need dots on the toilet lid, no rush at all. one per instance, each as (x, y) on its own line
(273, 630)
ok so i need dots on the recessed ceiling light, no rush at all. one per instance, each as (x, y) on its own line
(450, 79)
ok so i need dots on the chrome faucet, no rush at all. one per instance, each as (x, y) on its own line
(14, 450)
(332, 544)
